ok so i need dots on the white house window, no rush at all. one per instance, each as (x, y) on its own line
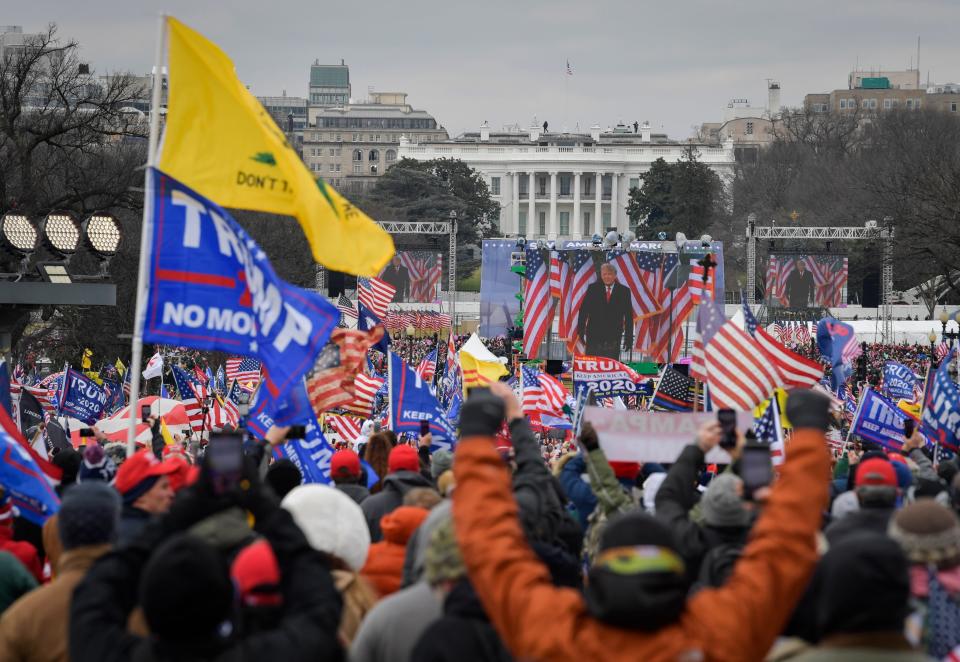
(495, 186)
(358, 155)
(391, 155)
(543, 224)
(564, 223)
(634, 182)
(543, 185)
(358, 168)
(522, 222)
(587, 230)
(564, 185)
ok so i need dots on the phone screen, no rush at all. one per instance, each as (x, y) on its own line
(756, 469)
(908, 425)
(728, 424)
(225, 454)
(144, 412)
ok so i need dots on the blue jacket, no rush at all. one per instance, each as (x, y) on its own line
(577, 489)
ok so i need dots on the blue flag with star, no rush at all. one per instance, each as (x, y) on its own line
(941, 407)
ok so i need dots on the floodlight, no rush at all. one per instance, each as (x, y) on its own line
(705, 240)
(521, 242)
(597, 240)
(661, 236)
(62, 232)
(681, 240)
(18, 233)
(627, 237)
(611, 239)
(102, 233)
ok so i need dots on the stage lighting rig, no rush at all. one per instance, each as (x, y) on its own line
(19, 238)
(61, 231)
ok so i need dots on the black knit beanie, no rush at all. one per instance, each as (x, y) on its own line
(282, 476)
(89, 515)
(185, 590)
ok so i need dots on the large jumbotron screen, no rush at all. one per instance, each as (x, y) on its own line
(805, 280)
(416, 275)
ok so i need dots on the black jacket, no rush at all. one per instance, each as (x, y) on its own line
(538, 493)
(462, 634)
(606, 326)
(104, 599)
(395, 487)
(866, 519)
(132, 522)
(676, 496)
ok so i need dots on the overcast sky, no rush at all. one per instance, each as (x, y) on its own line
(675, 63)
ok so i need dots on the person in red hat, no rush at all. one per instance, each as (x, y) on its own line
(347, 475)
(143, 482)
(403, 475)
(875, 484)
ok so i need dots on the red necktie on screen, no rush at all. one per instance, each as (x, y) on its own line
(609, 288)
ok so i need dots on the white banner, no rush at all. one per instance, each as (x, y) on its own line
(650, 436)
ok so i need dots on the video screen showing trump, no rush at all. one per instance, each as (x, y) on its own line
(619, 304)
(805, 280)
(415, 275)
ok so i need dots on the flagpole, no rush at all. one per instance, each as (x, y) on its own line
(389, 390)
(856, 415)
(146, 229)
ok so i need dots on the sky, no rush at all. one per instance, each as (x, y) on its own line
(675, 64)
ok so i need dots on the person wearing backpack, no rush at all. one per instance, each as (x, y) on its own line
(726, 520)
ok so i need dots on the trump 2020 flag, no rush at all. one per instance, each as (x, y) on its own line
(81, 398)
(21, 476)
(411, 402)
(899, 380)
(211, 287)
(941, 408)
(838, 342)
(879, 420)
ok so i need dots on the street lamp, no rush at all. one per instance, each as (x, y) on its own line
(932, 337)
(948, 335)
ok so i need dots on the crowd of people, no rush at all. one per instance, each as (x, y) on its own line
(509, 548)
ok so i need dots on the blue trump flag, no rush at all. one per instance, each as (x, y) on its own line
(22, 478)
(211, 287)
(899, 380)
(411, 402)
(81, 398)
(879, 420)
(838, 342)
(267, 411)
(366, 320)
(311, 454)
(941, 408)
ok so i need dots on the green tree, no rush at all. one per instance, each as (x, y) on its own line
(428, 191)
(685, 196)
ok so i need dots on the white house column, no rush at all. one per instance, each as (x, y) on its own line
(552, 221)
(614, 202)
(576, 223)
(515, 202)
(597, 209)
(532, 228)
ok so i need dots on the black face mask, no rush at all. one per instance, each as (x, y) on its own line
(644, 602)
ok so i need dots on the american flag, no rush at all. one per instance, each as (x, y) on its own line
(375, 294)
(941, 350)
(333, 380)
(233, 399)
(42, 394)
(642, 274)
(674, 392)
(557, 275)
(425, 271)
(581, 273)
(451, 369)
(660, 334)
(710, 317)
(243, 369)
(366, 388)
(795, 370)
(784, 333)
(345, 306)
(222, 414)
(187, 388)
(696, 283)
(538, 305)
(768, 430)
(802, 333)
(428, 366)
(126, 384)
(542, 393)
(220, 382)
(738, 371)
(347, 427)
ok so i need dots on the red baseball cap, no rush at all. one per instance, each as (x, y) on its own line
(345, 463)
(875, 472)
(139, 467)
(625, 470)
(403, 457)
(256, 574)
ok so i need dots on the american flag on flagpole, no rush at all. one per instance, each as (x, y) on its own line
(375, 294)
(710, 317)
(674, 392)
(345, 306)
(425, 271)
(542, 393)
(243, 369)
(557, 274)
(538, 305)
(795, 370)
(365, 393)
(802, 333)
(738, 372)
(428, 366)
(188, 397)
(347, 427)
(768, 430)
(696, 281)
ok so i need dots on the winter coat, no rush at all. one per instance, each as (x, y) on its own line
(577, 487)
(392, 628)
(358, 599)
(395, 487)
(463, 633)
(384, 567)
(34, 628)
(355, 491)
(24, 551)
(863, 648)
(865, 519)
(132, 521)
(536, 490)
(15, 580)
(739, 621)
(51, 542)
(307, 629)
(676, 497)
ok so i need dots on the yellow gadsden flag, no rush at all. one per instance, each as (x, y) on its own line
(221, 142)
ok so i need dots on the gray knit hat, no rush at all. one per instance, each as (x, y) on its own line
(721, 505)
(440, 462)
(444, 561)
(928, 532)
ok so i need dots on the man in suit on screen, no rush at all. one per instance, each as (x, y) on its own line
(606, 317)
(399, 276)
(800, 285)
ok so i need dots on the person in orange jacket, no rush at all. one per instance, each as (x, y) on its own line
(635, 605)
(384, 566)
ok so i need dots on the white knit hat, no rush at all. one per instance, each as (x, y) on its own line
(332, 522)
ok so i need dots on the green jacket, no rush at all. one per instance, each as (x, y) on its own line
(15, 580)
